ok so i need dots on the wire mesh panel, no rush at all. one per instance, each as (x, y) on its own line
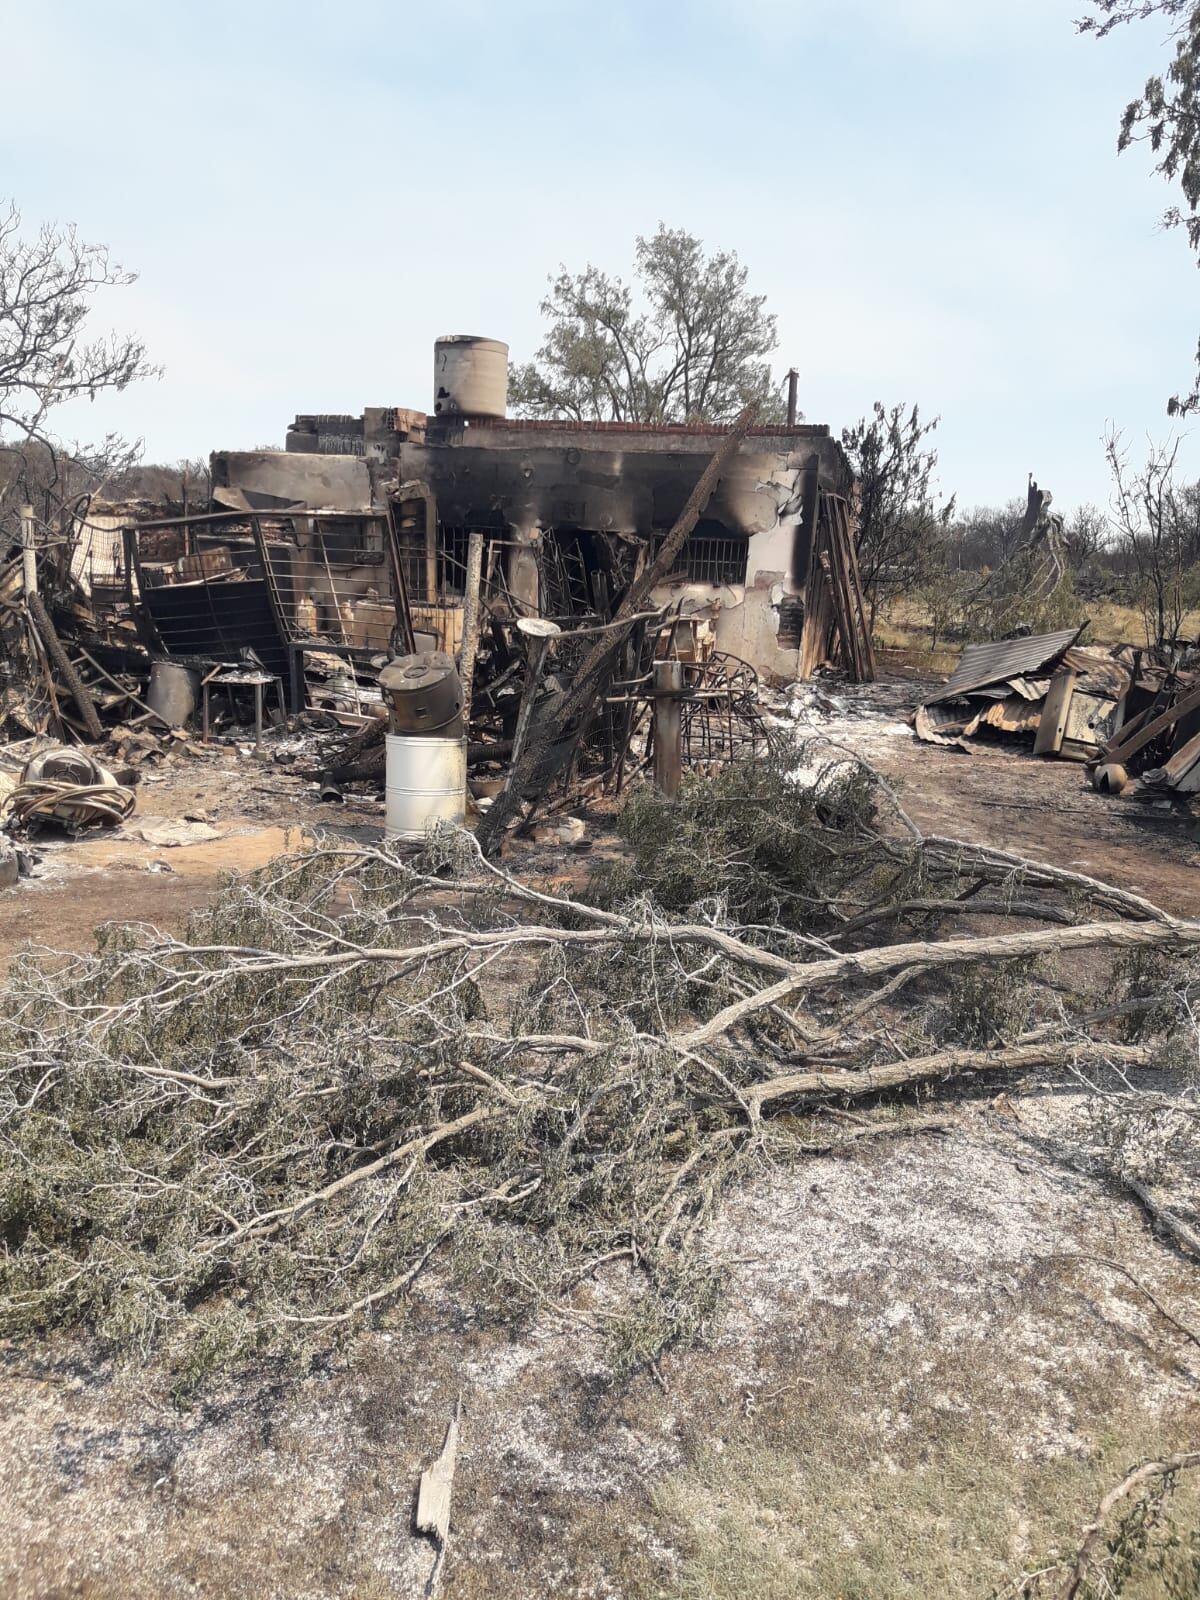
(216, 585)
(433, 558)
(204, 592)
(720, 717)
(333, 578)
(97, 558)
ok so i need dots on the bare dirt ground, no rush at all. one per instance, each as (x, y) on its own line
(1003, 795)
(910, 1391)
(257, 808)
(247, 809)
(907, 1396)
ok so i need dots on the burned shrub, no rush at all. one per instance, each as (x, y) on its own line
(985, 1006)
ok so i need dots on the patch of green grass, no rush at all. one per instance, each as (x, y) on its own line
(856, 1517)
(967, 1521)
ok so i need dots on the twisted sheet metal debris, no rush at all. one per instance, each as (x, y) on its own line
(1000, 660)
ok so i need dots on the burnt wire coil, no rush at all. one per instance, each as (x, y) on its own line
(75, 805)
(71, 788)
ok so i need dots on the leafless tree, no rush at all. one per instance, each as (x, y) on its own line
(1086, 536)
(47, 283)
(1150, 524)
(986, 536)
(171, 484)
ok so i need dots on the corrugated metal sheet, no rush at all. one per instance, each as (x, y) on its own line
(995, 662)
(941, 724)
(1030, 688)
(1099, 672)
(1013, 715)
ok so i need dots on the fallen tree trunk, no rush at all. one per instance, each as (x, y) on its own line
(1165, 935)
(1168, 1220)
(848, 1085)
(1004, 864)
(62, 664)
(462, 1057)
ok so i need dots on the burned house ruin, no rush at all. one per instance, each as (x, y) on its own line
(565, 508)
(606, 597)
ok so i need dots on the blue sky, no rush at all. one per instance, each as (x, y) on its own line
(927, 191)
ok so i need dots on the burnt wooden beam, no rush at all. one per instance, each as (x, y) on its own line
(532, 774)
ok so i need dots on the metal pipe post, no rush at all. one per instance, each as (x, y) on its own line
(471, 606)
(28, 552)
(668, 726)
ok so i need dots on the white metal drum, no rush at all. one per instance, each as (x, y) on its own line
(426, 782)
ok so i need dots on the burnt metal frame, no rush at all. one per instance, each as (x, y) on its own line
(448, 562)
(294, 647)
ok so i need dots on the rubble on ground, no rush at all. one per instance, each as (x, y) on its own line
(1125, 713)
(333, 612)
(1058, 695)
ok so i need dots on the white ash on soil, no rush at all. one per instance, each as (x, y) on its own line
(299, 1488)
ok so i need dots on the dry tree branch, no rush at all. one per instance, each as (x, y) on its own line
(1001, 865)
(1084, 1565)
(1169, 1221)
(264, 1226)
(945, 1064)
(1167, 934)
(1142, 1288)
(356, 1062)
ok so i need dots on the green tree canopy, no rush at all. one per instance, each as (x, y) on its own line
(686, 343)
(902, 519)
(1166, 115)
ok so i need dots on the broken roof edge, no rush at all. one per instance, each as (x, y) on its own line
(1000, 659)
(702, 430)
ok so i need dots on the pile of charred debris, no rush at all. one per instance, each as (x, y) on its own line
(124, 631)
(1126, 713)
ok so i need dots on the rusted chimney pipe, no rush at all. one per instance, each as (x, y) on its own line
(793, 380)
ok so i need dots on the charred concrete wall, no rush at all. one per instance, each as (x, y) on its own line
(272, 478)
(599, 477)
(616, 479)
(636, 481)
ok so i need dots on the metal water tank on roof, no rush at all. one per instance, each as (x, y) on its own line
(470, 376)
